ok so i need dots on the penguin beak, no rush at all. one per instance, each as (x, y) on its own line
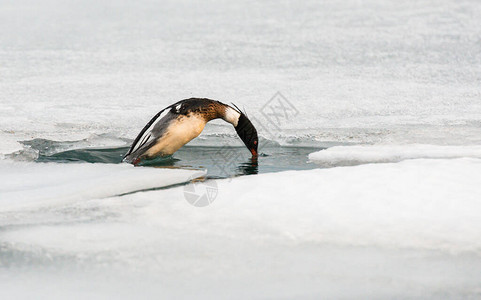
(254, 152)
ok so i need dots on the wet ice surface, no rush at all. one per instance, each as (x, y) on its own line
(390, 74)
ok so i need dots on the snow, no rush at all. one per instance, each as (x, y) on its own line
(390, 82)
(361, 71)
(28, 185)
(9, 144)
(361, 154)
(409, 229)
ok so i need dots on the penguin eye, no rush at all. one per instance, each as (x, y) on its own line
(255, 142)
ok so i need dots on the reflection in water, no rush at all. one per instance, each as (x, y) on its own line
(250, 167)
(163, 161)
(214, 160)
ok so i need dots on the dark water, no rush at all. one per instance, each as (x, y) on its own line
(220, 162)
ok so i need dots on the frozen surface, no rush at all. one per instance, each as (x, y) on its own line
(83, 74)
(361, 154)
(28, 184)
(356, 71)
(404, 230)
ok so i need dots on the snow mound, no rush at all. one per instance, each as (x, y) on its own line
(360, 154)
(28, 184)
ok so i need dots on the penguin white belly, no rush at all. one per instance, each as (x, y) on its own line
(181, 131)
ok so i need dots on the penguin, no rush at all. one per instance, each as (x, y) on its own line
(181, 122)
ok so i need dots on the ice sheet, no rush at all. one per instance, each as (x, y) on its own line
(30, 185)
(360, 154)
(92, 73)
(355, 71)
(409, 229)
